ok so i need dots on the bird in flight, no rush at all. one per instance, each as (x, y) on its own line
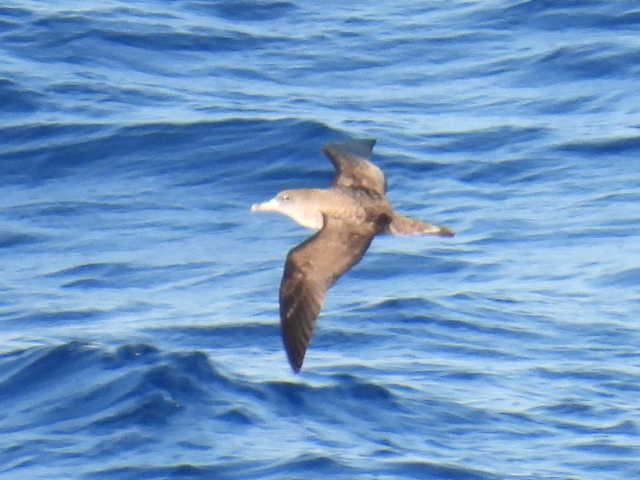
(347, 216)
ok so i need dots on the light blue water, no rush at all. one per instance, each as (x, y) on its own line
(139, 333)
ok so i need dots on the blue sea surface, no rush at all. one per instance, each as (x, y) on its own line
(139, 330)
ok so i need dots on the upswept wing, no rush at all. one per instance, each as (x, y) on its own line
(353, 169)
(310, 270)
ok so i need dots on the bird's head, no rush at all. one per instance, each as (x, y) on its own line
(296, 204)
(281, 203)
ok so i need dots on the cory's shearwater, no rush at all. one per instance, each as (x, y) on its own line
(348, 215)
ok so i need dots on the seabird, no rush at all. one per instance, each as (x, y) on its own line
(347, 216)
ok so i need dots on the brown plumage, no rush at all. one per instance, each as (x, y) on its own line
(348, 215)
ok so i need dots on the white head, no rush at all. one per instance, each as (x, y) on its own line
(299, 205)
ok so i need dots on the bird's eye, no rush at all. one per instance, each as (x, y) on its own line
(285, 197)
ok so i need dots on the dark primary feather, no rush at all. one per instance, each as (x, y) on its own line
(310, 270)
(353, 170)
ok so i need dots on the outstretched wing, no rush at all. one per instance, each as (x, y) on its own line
(310, 270)
(353, 169)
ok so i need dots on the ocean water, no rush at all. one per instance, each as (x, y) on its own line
(139, 334)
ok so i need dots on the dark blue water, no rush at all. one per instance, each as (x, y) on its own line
(139, 334)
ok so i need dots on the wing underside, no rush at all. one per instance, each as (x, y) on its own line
(310, 270)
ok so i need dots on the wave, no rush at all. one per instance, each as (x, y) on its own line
(57, 32)
(609, 146)
(16, 239)
(574, 15)
(15, 98)
(137, 384)
(244, 10)
(191, 153)
(127, 275)
(127, 396)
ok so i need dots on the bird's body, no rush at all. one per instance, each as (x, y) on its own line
(347, 216)
(337, 202)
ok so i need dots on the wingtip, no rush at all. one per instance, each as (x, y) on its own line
(445, 232)
(295, 358)
(296, 365)
(360, 147)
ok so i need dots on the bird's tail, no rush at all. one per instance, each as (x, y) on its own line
(401, 225)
